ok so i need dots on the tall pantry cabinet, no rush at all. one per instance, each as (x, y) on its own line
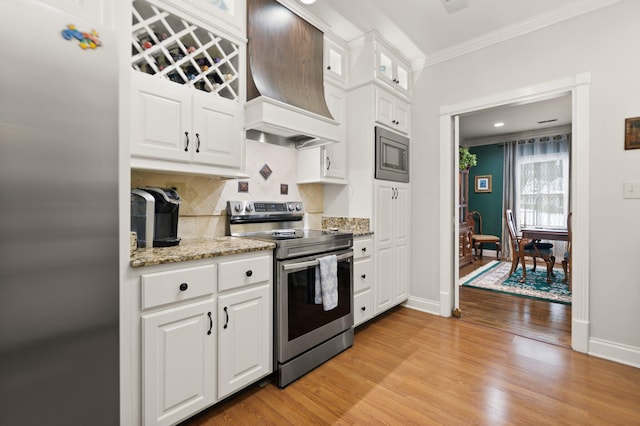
(375, 100)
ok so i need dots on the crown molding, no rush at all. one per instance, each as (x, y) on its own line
(514, 30)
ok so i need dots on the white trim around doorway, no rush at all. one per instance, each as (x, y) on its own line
(580, 87)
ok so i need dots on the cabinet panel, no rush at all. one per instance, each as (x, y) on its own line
(178, 285)
(216, 128)
(243, 272)
(362, 274)
(160, 117)
(179, 353)
(245, 323)
(335, 61)
(362, 248)
(384, 108)
(362, 307)
(392, 239)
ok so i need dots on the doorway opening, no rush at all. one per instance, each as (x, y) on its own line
(537, 133)
(579, 88)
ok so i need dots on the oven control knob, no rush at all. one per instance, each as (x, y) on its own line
(249, 207)
(238, 208)
(291, 207)
(298, 207)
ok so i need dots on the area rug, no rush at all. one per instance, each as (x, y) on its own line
(495, 277)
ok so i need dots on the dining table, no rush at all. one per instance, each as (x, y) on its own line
(535, 234)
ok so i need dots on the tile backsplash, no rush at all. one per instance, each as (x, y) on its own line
(204, 198)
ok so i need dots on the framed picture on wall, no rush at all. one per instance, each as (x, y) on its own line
(632, 133)
(483, 183)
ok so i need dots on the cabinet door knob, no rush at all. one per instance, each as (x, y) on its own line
(186, 146)
(329, 67)
(363, 276)
(364, 308)
(364, 249)
(184, 287)
(249, 273)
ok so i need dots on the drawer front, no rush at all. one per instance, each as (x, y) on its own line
(177, 285)
(362, 274)
(362, 248)
(241, 272)
(362, 307)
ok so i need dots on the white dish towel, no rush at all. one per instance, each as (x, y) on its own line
(327, 282)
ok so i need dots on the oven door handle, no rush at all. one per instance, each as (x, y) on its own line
(309, 263)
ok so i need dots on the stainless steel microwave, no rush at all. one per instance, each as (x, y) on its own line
(392, 155)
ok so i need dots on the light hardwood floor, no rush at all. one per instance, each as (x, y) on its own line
(412, 368)
(545, 321)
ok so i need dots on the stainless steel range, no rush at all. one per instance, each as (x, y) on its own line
(306, 335)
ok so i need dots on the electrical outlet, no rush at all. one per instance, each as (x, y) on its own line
(631, 190)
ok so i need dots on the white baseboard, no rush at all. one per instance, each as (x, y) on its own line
(616, 352)
(424, 305)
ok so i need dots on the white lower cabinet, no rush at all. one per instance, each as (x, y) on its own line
(362, 279)
(179, 359)
(206, 332)
(245, 323)
(244, 335)
(392, 244)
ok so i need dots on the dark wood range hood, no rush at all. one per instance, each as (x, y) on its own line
(285, 82)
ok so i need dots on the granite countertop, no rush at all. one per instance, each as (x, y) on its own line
(197, 248)
(358, 226)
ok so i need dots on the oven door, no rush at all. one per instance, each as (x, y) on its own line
(302, 324)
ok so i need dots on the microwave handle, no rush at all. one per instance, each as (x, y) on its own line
(313, 262)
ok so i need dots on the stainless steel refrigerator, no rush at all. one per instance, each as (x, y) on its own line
(59, 356)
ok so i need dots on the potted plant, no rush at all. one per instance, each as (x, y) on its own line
(467, 159)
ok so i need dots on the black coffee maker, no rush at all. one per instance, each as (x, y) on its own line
(154, 216)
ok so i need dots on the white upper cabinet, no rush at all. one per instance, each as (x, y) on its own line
(373, 59)
(336, 60)
(181, 130)
(186, 92)
(392, 111)
(328, 163)
(391, 70)
(229, 15)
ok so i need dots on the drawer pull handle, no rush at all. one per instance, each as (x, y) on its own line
(210, 323)
(364, 308)
(363, 276)
(184, 287)
(226, 322)
(249, 273)
(186, 146)
(364, 249)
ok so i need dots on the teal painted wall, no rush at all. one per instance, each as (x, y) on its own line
(489, 204)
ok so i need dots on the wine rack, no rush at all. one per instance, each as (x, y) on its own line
(170, 46)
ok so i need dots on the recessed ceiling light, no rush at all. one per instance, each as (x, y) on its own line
(499, 124)
(307, 1)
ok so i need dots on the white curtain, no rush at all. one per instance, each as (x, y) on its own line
(536, 182)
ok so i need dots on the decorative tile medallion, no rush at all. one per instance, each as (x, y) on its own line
(284, 189)
(265, 171)
(243, 186)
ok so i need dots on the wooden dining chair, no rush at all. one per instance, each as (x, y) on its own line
(479, 238)
(521, 249)
(566, 261)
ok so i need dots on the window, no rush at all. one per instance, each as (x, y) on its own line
(542, 182)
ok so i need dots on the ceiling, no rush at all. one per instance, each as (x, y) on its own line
(425, 32)
(423, 29)
(477, 126)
